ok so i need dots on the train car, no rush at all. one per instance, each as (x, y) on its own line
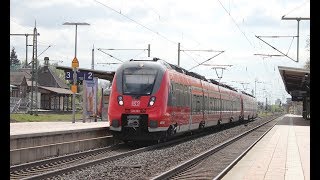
(153, 100)
(250, 107)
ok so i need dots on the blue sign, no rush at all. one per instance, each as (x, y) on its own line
(81, 75)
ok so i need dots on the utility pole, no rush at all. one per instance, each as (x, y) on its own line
(283, 54)
(26, 62)
(34, 71)
(266, 104)
(298, 19)
(35, 61)
(92, 62)
(179, 54)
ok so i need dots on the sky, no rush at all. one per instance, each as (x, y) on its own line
(224, 33)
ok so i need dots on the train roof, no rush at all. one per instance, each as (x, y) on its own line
(247, 94)
(184, 71)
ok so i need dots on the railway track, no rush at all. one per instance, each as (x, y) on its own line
(26, 170)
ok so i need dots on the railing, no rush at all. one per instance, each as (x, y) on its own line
(19, 104)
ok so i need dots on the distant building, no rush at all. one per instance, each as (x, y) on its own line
(53, 93)
(289, 100)
(278, 102)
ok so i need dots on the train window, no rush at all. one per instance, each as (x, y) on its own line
(198, 105)
(194, 100)
(227, 105)
(232, 105)
(180, 95)
(138, 81)
(174, 94)
(189, 99)
(211, 104)
(172, 87)
(205, 103)
(170, 95)
(177, 93)
(184, 97)
(223, 105)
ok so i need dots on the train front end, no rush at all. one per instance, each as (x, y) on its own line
(138, 99)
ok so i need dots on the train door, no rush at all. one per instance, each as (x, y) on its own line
(220, 106)
(232, 101)
(203, 103)
(190, 105)
(206, 106)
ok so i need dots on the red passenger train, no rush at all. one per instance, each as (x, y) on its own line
(152, 99)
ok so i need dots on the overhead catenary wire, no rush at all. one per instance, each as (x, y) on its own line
(207, 60)
(140, 24)
(110, 55)
(157, 33)
(237, 25)
(297, 7)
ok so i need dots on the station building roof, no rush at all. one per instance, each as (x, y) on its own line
(107, 75)
(296, 82)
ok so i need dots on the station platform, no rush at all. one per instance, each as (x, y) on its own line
(28, 128)
(32, 141)
(283, 153)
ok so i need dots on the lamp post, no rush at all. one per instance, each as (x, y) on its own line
(75, 65)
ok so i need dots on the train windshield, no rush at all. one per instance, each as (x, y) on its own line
(138, 81)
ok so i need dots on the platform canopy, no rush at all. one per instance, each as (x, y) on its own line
(296, 82)
(107, 75)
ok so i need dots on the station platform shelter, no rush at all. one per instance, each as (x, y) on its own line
(297, 84)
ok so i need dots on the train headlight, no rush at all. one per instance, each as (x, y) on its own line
(120, 100)
(152, 101)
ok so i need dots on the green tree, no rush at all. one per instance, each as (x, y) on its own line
(14, 61)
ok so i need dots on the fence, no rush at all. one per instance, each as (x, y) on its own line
(19, 105)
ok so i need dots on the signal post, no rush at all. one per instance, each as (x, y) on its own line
(74, 88)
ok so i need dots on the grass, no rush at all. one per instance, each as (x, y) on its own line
(44, 117)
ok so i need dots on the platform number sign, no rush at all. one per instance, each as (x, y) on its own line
(69, 75)
(81, 75)
(88, 76)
